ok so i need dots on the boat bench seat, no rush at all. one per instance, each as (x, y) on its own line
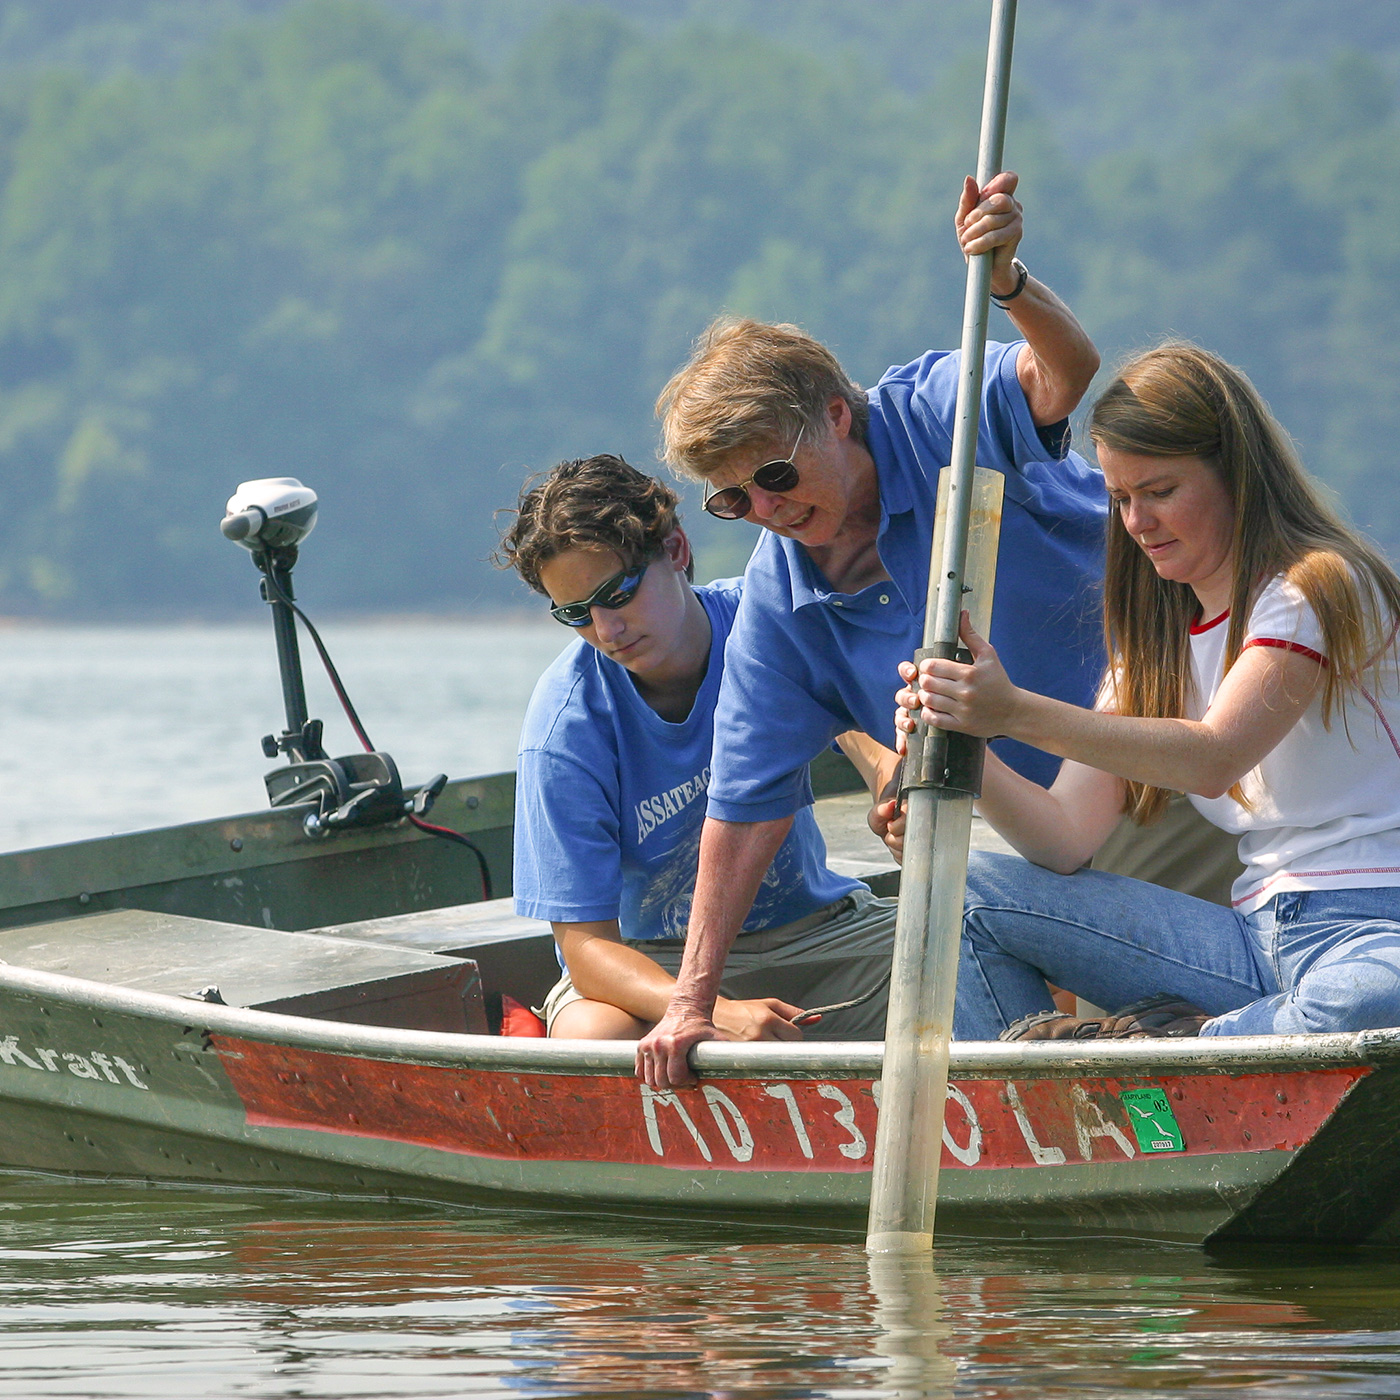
(295, 974)
(515, 956)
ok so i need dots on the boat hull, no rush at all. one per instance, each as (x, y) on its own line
(1278, 1139)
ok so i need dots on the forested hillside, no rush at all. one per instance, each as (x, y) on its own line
(409, 251)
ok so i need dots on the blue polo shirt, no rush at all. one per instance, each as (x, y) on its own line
(806, 663)
(610, 799)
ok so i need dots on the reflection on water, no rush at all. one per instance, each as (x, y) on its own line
(107, 729)
(116, 1292)
(913, 1332)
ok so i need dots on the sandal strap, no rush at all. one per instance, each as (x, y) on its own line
(1018, 1030)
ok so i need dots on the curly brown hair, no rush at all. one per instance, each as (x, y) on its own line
(597, 502)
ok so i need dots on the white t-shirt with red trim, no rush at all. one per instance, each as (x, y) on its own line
(1324, 808)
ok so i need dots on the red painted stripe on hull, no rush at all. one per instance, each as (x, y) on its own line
(757, 1125)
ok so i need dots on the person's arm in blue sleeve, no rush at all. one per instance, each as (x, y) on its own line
(568, 853)
(733, 859)
(1058, 361)
(768, 726)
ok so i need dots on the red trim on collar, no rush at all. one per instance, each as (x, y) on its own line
(1198, 627)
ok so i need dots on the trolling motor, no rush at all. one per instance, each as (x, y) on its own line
(270, 518)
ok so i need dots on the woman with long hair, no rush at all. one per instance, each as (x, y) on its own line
(1251, 637)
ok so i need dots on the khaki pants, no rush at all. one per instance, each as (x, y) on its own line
(836, 954)
(1182, 852)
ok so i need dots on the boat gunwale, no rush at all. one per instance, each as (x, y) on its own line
(267, 836)
(1232, 1055)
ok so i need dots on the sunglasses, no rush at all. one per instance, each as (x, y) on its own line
(615, 592)
(733, 502)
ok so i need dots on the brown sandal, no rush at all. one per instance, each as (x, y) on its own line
(1160, 1015)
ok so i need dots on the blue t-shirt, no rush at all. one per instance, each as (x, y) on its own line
(806, 663)
(609, 801)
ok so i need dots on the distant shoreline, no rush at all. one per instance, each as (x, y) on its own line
(445, 617)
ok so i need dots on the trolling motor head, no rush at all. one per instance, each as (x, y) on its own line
(274, 512)
(270, 517)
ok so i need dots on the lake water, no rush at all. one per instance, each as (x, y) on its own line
(115, 1292)
(114, 729)
(119, 1291)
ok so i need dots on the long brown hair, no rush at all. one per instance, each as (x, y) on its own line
(1181, 401)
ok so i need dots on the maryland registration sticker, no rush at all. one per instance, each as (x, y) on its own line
(1150, 1113)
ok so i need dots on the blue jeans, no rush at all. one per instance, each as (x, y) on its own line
(1306, 962)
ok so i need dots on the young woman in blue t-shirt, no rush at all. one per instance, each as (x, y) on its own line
(613, 773)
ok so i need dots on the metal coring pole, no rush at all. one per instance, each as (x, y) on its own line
(914, 1082)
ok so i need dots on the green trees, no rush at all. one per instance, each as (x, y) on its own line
(240, 270)
(1269, 240)
(336, 244)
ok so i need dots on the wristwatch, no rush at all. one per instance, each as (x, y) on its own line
(1021, 275)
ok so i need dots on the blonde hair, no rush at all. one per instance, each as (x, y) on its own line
(1181, 401)
(748, 383)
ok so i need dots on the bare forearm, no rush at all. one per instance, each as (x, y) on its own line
(872, 760)
(1261, 699)
(1180, 754)
(1059, 361)
(605, 969)
(1060, 828)
(734, 857)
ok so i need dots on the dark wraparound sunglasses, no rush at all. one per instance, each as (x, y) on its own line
(733, 502)
(615, 592)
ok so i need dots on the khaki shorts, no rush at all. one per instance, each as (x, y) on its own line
(836, 954)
